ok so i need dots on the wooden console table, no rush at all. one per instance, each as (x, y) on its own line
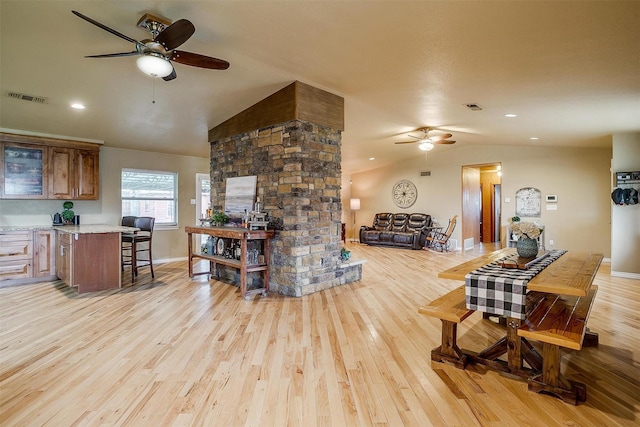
(242, 235)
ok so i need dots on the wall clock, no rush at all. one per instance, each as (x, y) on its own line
(404, 194)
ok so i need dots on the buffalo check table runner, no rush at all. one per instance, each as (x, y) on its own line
(497, 290)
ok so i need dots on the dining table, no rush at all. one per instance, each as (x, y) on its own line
(569, 276)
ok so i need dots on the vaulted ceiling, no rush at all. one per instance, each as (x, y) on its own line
(569, 70)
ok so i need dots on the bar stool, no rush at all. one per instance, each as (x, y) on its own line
(139, 242)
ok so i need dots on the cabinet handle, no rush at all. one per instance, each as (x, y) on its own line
(61, 250)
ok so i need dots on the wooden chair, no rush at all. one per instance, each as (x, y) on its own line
(439, 240)
(134, 244)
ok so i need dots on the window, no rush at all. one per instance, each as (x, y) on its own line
(150, 193)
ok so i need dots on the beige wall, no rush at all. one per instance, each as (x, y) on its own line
(167, 244)
(625, 230)
(580, 177)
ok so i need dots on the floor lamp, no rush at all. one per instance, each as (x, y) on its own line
(355, 205)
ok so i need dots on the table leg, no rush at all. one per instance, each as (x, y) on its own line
(243, 268)
(553, 382)
(514, 354)
(449, 350)
(190, 253)
(265, 251)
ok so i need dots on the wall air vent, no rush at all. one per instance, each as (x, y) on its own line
(474, 107)
(425, 173)
(30, 98)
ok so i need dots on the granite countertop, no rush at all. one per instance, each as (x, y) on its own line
(73, 229)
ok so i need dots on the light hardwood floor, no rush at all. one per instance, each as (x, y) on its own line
(176, 351)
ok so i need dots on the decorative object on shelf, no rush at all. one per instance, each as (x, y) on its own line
(345, 254)
(404, 194)
(258, 220)
(512, 220)
(527, 233)
(67, 214)
(219, 218)
(220, 247)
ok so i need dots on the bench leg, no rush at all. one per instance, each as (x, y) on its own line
(449, 350)
(552, 382)
(590, 339)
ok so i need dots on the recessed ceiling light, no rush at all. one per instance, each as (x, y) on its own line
(510, 115)
(77, 106)
(534, 138)
(372, 158)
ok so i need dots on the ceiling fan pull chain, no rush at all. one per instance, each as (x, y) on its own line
(153, 100)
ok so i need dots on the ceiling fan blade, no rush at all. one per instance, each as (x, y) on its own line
(439, 137)
(176, 34)
(444, 142)
(197, 60)
(171, 76)
(114, 55)
(110, 30)
(405, 142)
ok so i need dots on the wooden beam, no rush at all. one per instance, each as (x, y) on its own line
(297, 101)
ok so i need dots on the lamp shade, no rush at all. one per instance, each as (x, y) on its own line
(426, 145)
(355, 204)
(154, 66)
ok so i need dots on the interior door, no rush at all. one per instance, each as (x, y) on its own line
(471, 205)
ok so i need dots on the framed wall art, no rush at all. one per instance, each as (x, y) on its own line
(240, 195)
(528, 202)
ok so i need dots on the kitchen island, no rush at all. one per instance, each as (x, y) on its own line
(88, 257)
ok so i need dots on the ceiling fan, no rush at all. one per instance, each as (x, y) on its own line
(156, 54)
(426, 142)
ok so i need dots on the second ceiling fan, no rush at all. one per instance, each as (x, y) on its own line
(426, 142)
(157, 54)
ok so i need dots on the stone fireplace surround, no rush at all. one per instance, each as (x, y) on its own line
(297, 164)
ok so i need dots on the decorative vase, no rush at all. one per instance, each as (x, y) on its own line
(526, 247)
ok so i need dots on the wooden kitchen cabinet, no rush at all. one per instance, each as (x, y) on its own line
(64, 255)
(43, 253)
(73, 174)
(24, 171)
(16, 254)
(48, 168)
(26, 255)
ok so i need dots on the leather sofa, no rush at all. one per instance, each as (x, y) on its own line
(400, 230)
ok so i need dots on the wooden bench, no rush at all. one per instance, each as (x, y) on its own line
(451, 309)
(558, 321)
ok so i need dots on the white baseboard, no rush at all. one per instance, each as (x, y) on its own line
(625, 275)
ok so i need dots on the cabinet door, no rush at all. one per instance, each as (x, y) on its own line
(16, 255)
(43, 253)
(87, 175)
(61, 173)
(64, 255)
(23, 171)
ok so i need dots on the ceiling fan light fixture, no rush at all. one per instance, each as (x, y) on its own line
(154, 66)
(426, 145)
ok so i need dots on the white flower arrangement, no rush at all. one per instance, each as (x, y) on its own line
(526, 229)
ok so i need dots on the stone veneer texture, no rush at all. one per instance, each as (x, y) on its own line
(297, 165)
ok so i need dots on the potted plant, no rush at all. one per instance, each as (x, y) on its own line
(67, 213)
(527, 233)
(219, 218)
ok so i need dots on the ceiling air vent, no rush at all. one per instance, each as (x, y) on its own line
(425, 173)
(474, 107)
(30, 98)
